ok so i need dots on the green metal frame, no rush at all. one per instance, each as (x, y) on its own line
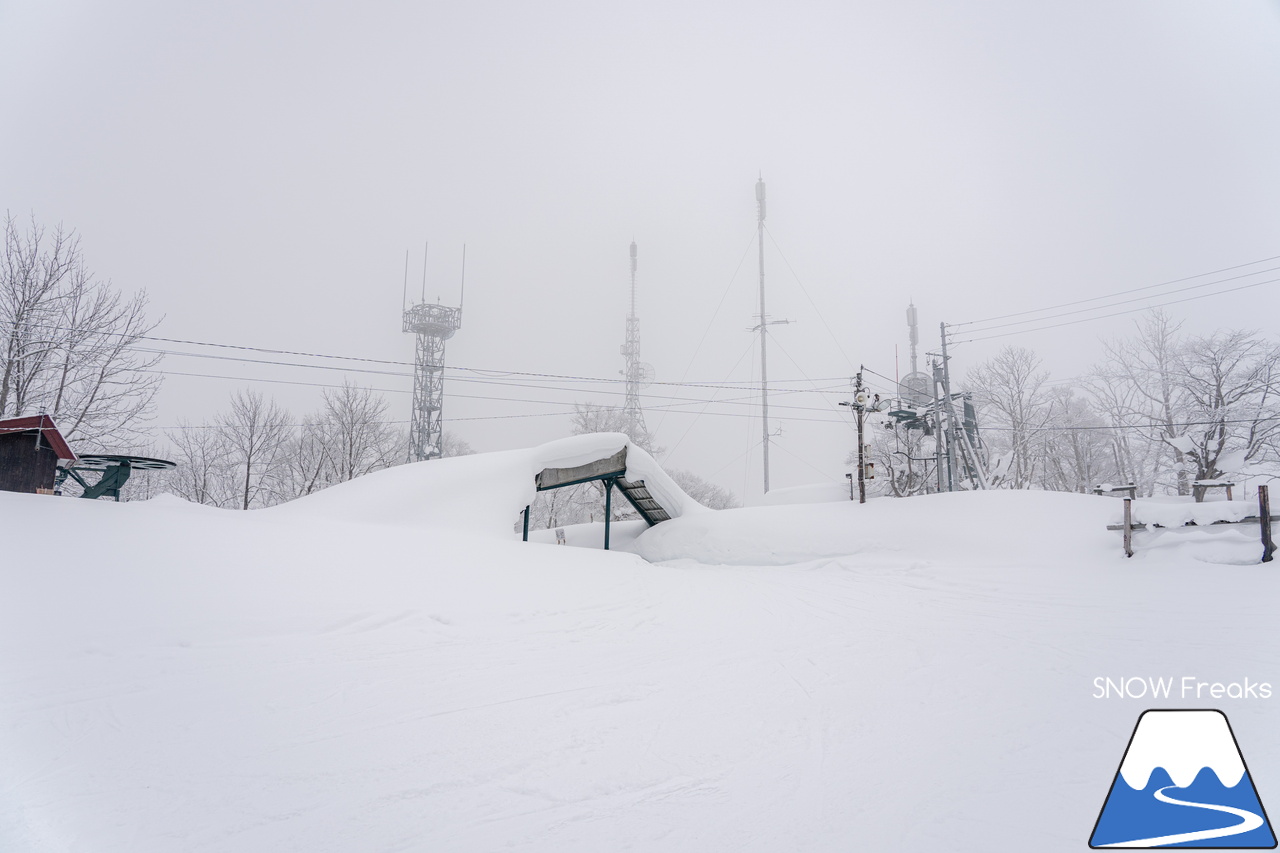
(610, 480)
(109, 484)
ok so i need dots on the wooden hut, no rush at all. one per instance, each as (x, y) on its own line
(30, 452)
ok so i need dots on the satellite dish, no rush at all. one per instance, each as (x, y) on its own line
(643, 374)
(916, 389)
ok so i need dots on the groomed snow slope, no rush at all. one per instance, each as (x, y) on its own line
(339, 675)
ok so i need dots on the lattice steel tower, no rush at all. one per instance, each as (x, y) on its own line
(639, 375)
(433, 325)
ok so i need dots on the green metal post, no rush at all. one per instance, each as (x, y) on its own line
(1264, 517)
(608, 510)
(526, 524)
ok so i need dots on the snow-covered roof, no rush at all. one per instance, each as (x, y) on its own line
(483, 493)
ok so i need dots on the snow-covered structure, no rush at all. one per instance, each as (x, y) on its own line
(486, 493)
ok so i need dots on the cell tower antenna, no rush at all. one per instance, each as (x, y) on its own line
(638, 374)
(432, 325)
(425, 246)
(915, 333)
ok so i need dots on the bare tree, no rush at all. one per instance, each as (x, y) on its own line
(905, 463)
(708, 494)
(203, 474)
(1230, 383)
(255, 431)
(305, 466)
(588, 418)
(1137, 387)
(451, 444)
(579, 504)
(1010, 390)
(355, 432)
(70, 342)
(1077, 445)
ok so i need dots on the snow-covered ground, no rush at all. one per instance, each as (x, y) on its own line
(385, 666)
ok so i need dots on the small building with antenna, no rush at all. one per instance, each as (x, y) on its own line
(433, 324)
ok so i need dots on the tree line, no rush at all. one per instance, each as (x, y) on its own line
(1162, 409)
(254, 454)
(69, 342)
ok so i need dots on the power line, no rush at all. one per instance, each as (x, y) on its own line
(798, 367)
(479, 370)
(1117, 313)
(826, 474)
(714, 315)
(1121, 292)
(805, 291)
(538, 377)
(1119, 427)
(1128, 301)
(750, 348)
(673, 407)
(467, 379)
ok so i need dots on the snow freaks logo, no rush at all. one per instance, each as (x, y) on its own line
(1183, 783)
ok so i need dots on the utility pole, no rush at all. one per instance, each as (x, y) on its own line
(937, 427)
(860, 409)
(953, 440)
(764, 363)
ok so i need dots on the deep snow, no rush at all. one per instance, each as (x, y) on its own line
(384, 666)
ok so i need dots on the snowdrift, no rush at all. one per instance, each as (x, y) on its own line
(381, 667)
(994, 528)
(482, 493)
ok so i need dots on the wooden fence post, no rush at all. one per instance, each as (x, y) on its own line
(1128, 527)
(1264, 519)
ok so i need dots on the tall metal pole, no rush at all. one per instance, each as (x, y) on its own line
(914, 333)
(1264, 519)
(859, 406)
(608, 510)
(633, 278)
(953, 440)
(764, 362)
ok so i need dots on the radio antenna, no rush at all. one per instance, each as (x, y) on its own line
(425, 246)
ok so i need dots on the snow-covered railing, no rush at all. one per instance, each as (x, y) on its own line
(1179, 517)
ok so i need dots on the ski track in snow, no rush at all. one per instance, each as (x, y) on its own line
(1248, 822)
(336, 682)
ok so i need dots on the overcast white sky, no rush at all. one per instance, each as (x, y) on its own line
(260, 168)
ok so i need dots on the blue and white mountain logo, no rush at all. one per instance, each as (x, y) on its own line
(1183, 783)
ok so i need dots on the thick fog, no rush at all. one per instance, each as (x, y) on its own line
(261, 170)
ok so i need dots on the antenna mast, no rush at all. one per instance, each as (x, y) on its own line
(915, 333)
(433, 325)
(764, 363)
(638, 373)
